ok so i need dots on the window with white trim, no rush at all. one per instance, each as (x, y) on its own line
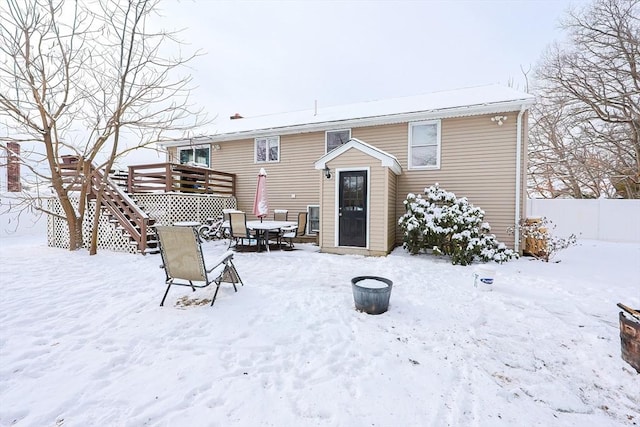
(200, 155)
(335, 138)
(267, 149)
(424, 145)
(313, 219)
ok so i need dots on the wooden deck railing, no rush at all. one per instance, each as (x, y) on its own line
(172, 177)
(71, 172)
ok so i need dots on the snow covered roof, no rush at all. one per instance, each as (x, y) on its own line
(385, 158)
(461, 102)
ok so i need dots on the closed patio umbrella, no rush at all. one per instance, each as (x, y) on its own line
(261, 203)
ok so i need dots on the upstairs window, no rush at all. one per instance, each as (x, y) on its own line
(424, 145)
(199, 155)
(267, 149)
(335, 138)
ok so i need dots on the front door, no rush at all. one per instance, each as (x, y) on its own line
(352, 209)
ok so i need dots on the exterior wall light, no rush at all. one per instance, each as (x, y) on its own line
(499, 119)
(327, 172)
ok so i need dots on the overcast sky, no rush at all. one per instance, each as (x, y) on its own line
(263, 57)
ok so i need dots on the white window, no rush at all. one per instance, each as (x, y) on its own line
(335, 138)
(267, 149)
(200, 155)
(424, 145)
(313, 219)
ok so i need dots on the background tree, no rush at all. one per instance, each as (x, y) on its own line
(585, 130)
(78, 78)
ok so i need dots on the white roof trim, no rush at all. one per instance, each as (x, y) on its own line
(353, 123)
(491, 99)
(385, 158)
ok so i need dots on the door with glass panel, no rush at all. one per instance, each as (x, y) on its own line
(352, 208)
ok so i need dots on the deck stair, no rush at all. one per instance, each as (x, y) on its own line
(131, 219)
(121, 209)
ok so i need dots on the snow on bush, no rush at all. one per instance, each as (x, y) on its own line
(441, 222)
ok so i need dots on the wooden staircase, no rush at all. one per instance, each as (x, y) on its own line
(126, 214)
(122, 210)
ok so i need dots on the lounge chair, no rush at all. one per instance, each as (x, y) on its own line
(184, 264)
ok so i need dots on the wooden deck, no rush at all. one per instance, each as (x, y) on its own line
(172, 177)
(122, 192)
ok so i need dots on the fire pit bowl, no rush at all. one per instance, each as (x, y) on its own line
(630, 339)
(371, 293)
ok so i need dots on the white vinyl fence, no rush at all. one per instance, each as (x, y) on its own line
(614, 220)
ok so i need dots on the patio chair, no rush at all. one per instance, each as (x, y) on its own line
(238, 229)
(184, 264)
(279, 215)
(291, 233)
(226, 212)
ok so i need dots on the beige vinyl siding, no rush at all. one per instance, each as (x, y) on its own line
(477, 162)
(390, 138)
(391, 215)
(172, 155)
(327, 211)
(294, 174)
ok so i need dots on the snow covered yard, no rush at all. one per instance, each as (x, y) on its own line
(83, 341)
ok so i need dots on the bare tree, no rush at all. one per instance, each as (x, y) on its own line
(77, 78)
(585, 133)
(563, 160)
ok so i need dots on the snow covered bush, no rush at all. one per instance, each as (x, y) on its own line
(441, 222)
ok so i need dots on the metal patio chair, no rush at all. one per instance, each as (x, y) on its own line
(290, 233)
(279, 215)
(184, 264)
(239, 231)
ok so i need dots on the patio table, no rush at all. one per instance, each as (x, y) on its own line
(263, 229)
(186, 223)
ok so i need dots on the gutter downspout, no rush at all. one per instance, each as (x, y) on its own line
(516, 244)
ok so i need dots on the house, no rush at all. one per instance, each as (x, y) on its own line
(352, 166)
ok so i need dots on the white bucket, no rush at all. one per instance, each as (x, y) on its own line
(484, 278)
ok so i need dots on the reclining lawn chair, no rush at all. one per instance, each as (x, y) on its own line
(184, 264)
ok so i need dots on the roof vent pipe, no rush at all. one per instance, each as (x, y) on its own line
(315, 107)
(235, 116)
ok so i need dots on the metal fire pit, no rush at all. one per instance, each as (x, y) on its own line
(371, 300)
(630, 336)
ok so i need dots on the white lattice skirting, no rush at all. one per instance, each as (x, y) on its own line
(164, 208)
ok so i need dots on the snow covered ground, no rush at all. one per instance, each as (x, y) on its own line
(83, 341)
